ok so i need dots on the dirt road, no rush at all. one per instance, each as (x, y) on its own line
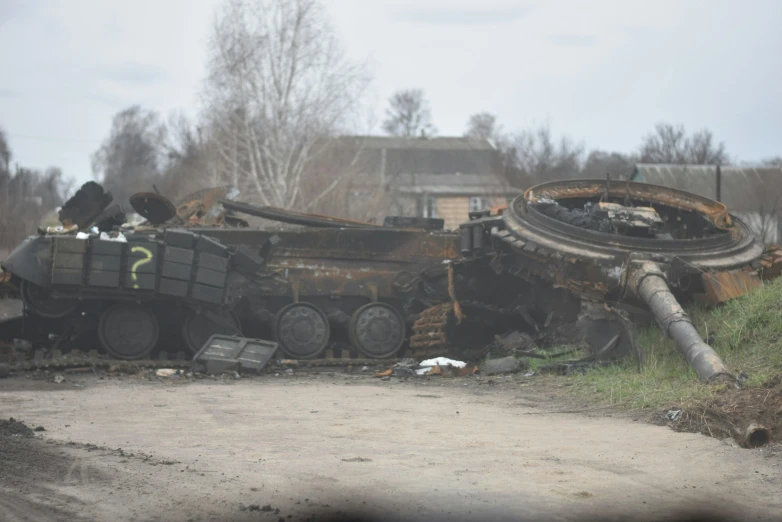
(275, 448)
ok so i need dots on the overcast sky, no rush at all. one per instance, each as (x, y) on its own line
(602, 72)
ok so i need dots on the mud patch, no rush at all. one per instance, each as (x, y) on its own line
(32, 473)
(14, 428)
(738, 414)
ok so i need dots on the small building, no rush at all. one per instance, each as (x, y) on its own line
(444, 177)
(754, 194)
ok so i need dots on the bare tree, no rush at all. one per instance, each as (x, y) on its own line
(130, 160)
(26, 199)
(483, 125)
(775, 161)
(191, 160)
(409, 115)
(671, 144)
(599, 163)
(279, 86)
(534, 155)
(5, 153)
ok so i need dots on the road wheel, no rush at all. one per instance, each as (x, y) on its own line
(302, 330)
(128, 331)
(377, 330)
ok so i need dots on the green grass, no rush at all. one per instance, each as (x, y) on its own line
(747, 334)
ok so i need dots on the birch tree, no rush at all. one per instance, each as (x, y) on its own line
(279, 86)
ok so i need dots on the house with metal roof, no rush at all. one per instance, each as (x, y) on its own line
(752, 193)
(442, 177)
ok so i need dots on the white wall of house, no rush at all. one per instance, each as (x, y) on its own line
(454, 210)
(763, 225)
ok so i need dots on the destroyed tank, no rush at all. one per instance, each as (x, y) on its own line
(197, 269)
(327, 287)
(129, 291)
(359, 288)
(625, 247)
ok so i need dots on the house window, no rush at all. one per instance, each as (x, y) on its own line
(477, 204)
(430, 207)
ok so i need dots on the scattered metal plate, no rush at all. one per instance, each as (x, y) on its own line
(724, 286)
(223, 353)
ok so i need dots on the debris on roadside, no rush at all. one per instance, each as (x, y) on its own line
(445, 367)
(509, 364)
(442, 361)
(403, 372)
(230, 353)
(452, 371)
(753, 436)
(511, 342)
(166, 372)
(441, 366)
(749, 415)
(673, 415)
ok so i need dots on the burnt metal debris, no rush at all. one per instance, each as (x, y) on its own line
(601, 255)
(630, 245)
(346, 289)
(223, 353)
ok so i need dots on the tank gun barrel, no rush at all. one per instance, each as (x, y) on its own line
(652, 287)
(291, 216)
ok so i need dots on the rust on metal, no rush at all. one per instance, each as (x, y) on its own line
(629, 244)
(528, 267)
(724, 286)
(294, 217)
(650, 285)
(716, 211)
(457, 309)
(771, 263)
(330, 269)
(153, 207)
(201, 208)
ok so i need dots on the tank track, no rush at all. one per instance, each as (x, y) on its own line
(430, 329)
(77, 359)
(93, 360)
(436, 331)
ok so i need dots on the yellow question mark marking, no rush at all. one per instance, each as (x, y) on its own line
(139, 263)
